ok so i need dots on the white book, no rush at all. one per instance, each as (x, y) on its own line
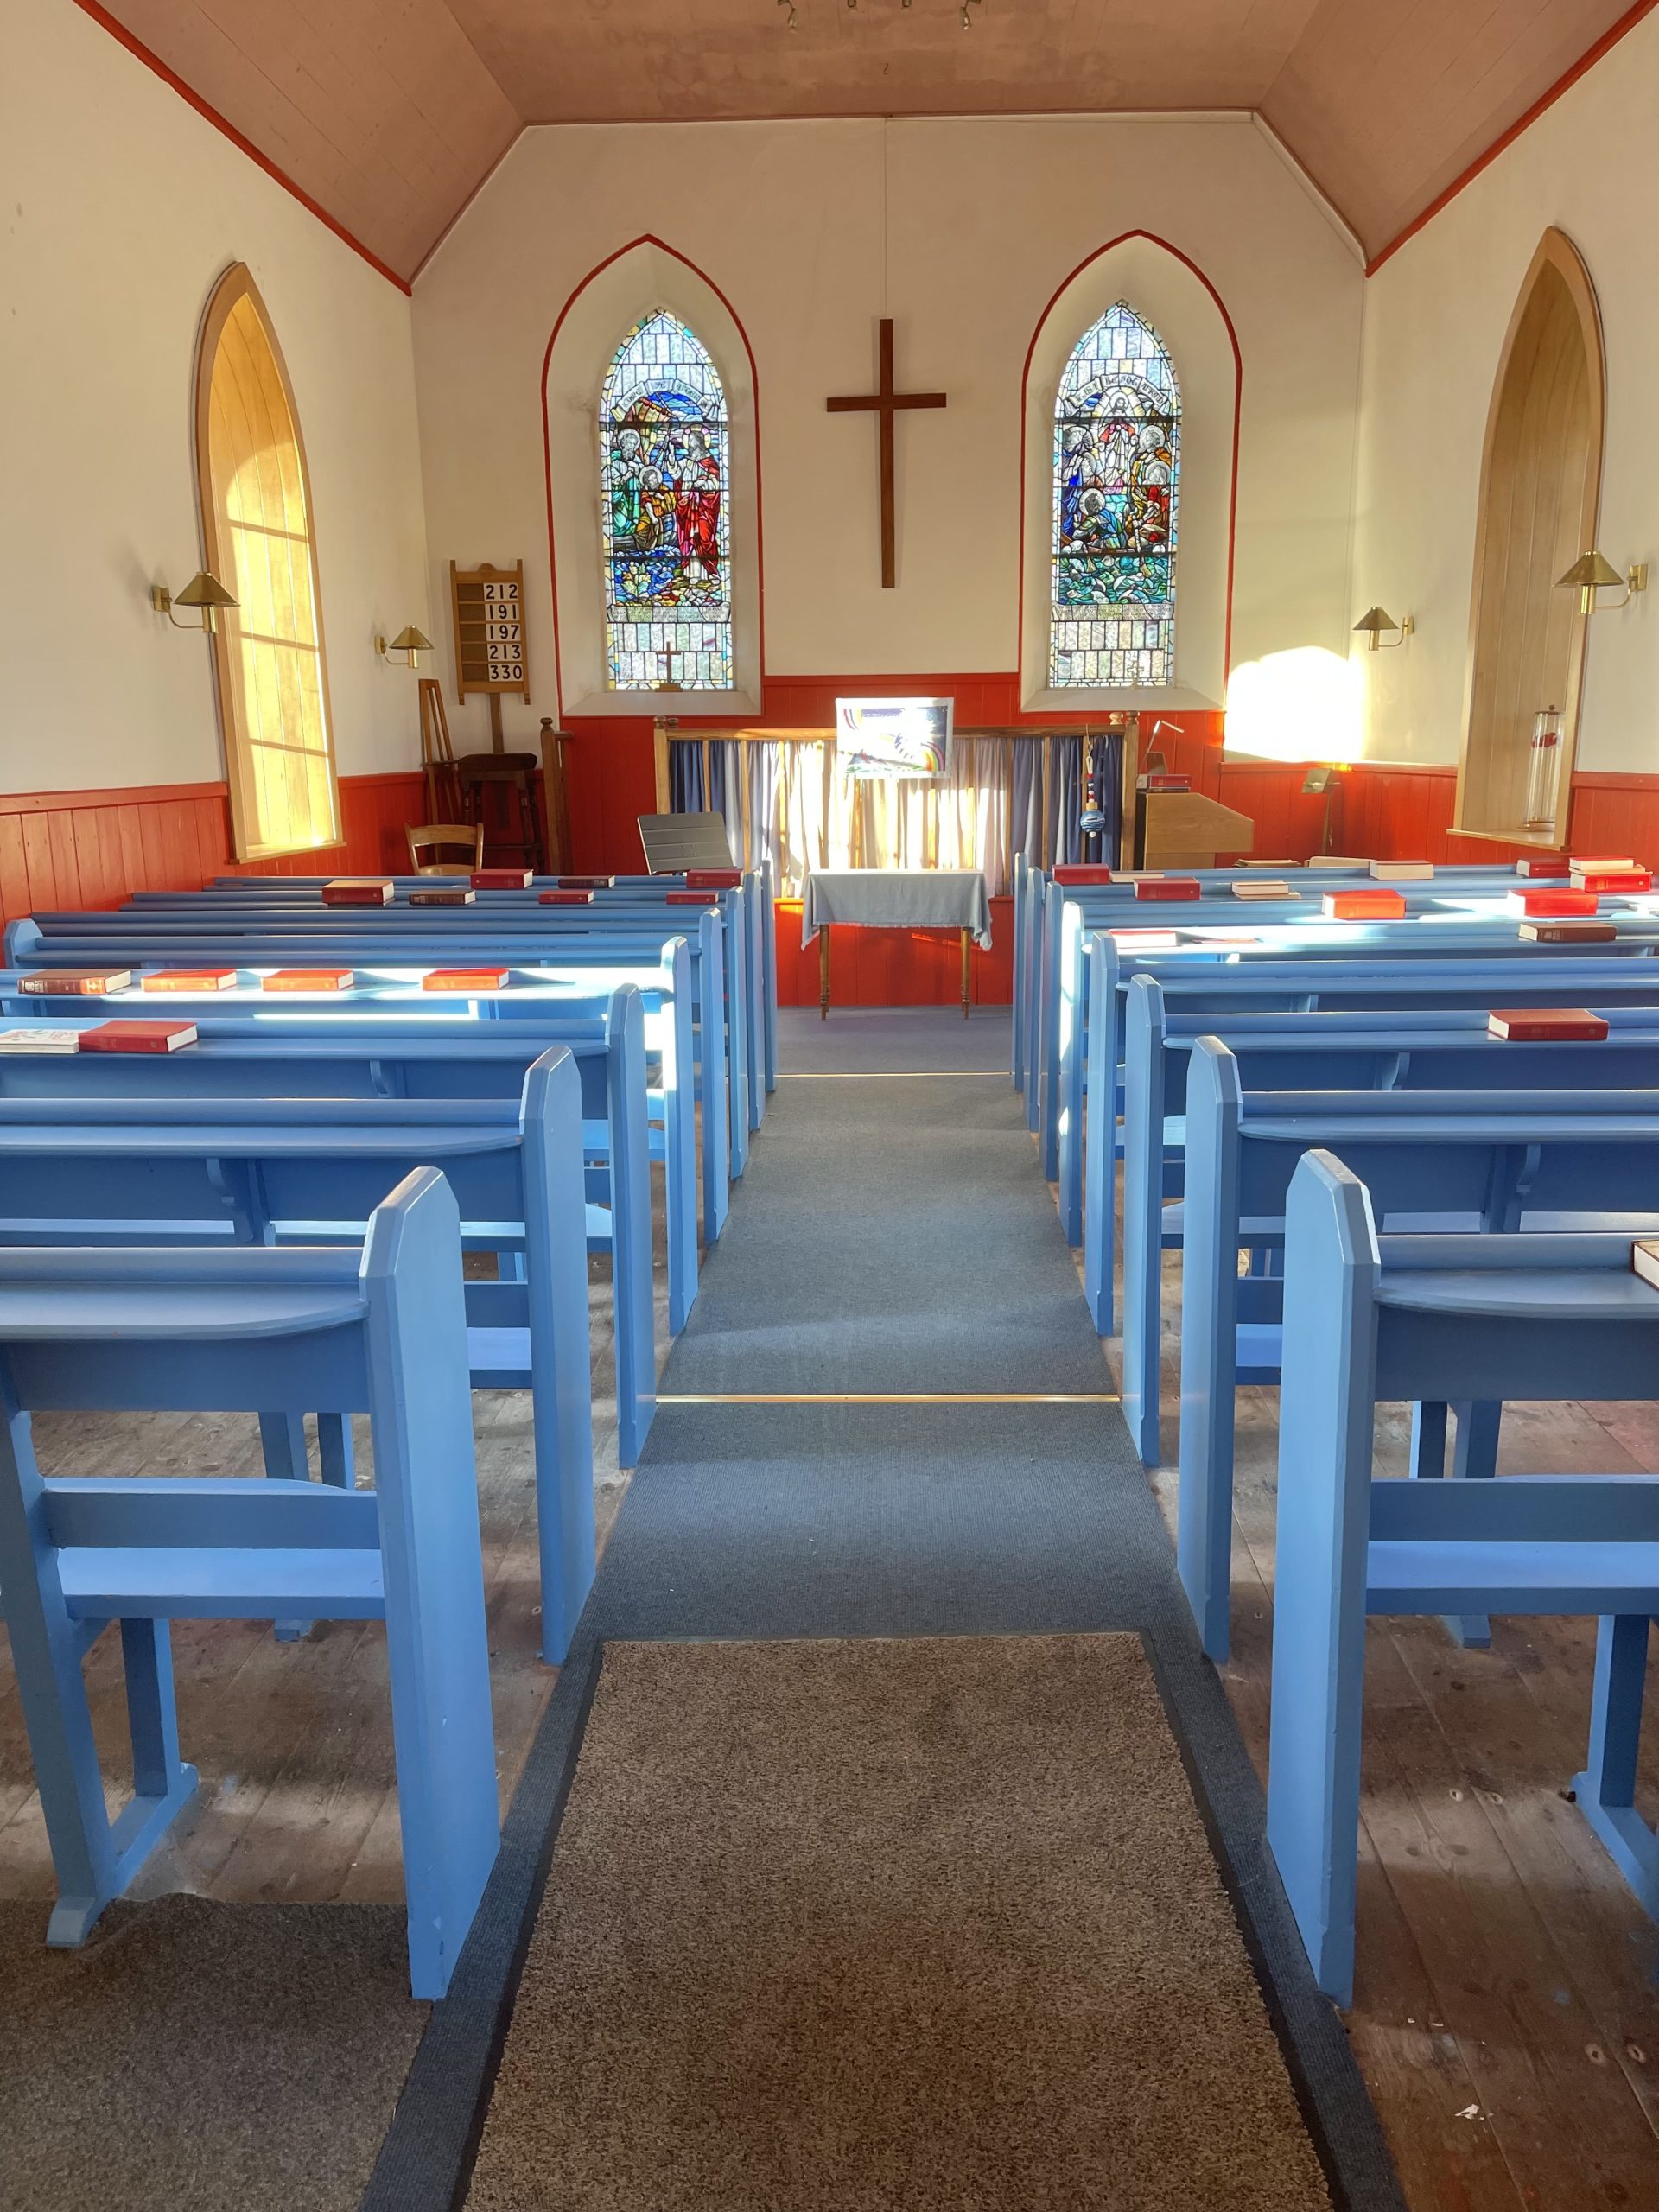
(1264, 886)
(1644, 1258)
(39, 1039)
(1402, 871)
(1340, 860)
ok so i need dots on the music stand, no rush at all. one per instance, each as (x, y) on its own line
(674, 843)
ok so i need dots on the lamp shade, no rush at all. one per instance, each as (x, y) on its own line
(204, 589)
(1375, 621)
(1590, 572)
(409, 639)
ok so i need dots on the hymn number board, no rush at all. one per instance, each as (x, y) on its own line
(489, 614)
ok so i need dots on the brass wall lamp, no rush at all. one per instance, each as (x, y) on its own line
(408, 644)
(1592, 572)
(1377, 620)
(204, 591)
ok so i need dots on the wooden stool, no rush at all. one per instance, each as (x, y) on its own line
(512, 774)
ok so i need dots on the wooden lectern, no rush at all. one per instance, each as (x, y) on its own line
(1186, 830)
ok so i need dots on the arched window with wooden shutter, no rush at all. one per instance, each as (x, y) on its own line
(259, 533)
(1539, 495)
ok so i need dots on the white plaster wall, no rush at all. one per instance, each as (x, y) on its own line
(1435, 315)
(119, 208)
(985, 219)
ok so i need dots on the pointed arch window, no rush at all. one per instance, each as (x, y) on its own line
(1117, 468)
(256, 515)
(665, 515)
(1539, 499)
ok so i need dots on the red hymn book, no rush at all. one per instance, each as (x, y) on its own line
(1363, 906)
(1152, 888)
(1567, 932)
(465, 979)
(75, 983)
(1556, 903)
(137, 1036)
(502, 878)
(1553, 1025)
(357, 891)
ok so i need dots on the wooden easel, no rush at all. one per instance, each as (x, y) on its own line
(437, 754)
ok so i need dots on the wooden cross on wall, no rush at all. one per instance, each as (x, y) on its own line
(885, 402)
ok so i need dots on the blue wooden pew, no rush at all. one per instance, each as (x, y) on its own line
(582, 960)
(1306, 1053)
(1384, 1318)
(1197, 1000)
(275, 901)
(508, 926)
(1549, 1160)
(1249, 947)
(1032, 962)
(380, 1330)
(370, 1056)
(256, 1170)
(758, 888)
(1294, 988)
(1038, 944)
(394, 993)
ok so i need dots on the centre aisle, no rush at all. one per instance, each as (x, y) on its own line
(889, 1417)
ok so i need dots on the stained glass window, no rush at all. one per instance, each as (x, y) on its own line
(1117, 465)
(664, 516)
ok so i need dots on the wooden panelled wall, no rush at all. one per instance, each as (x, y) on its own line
(93, 848)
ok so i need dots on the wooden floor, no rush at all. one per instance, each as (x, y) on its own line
(292, 1741)
(1506, 2018)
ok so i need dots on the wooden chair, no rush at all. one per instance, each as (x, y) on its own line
(517, 832)
(444, 837)
(1431, 1317)
(381, 1329)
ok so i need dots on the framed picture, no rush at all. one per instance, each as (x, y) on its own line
(893, 737)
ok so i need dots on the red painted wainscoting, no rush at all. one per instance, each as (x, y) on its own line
(1395, 812)
(611, 766)
(895, 966)
(95, 848)
(611, 762)
(60, 850)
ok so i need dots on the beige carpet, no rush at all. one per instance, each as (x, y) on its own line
(201, 2058)
(922, 1926)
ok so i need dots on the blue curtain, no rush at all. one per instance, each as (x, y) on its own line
(1108, 775)
(685, 776)
(686, 794)
(1027, 834)
(1064, 799)
(1065, 841)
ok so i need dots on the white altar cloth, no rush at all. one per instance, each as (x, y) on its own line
(897, 899)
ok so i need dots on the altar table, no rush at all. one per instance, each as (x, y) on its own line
(895, 898)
